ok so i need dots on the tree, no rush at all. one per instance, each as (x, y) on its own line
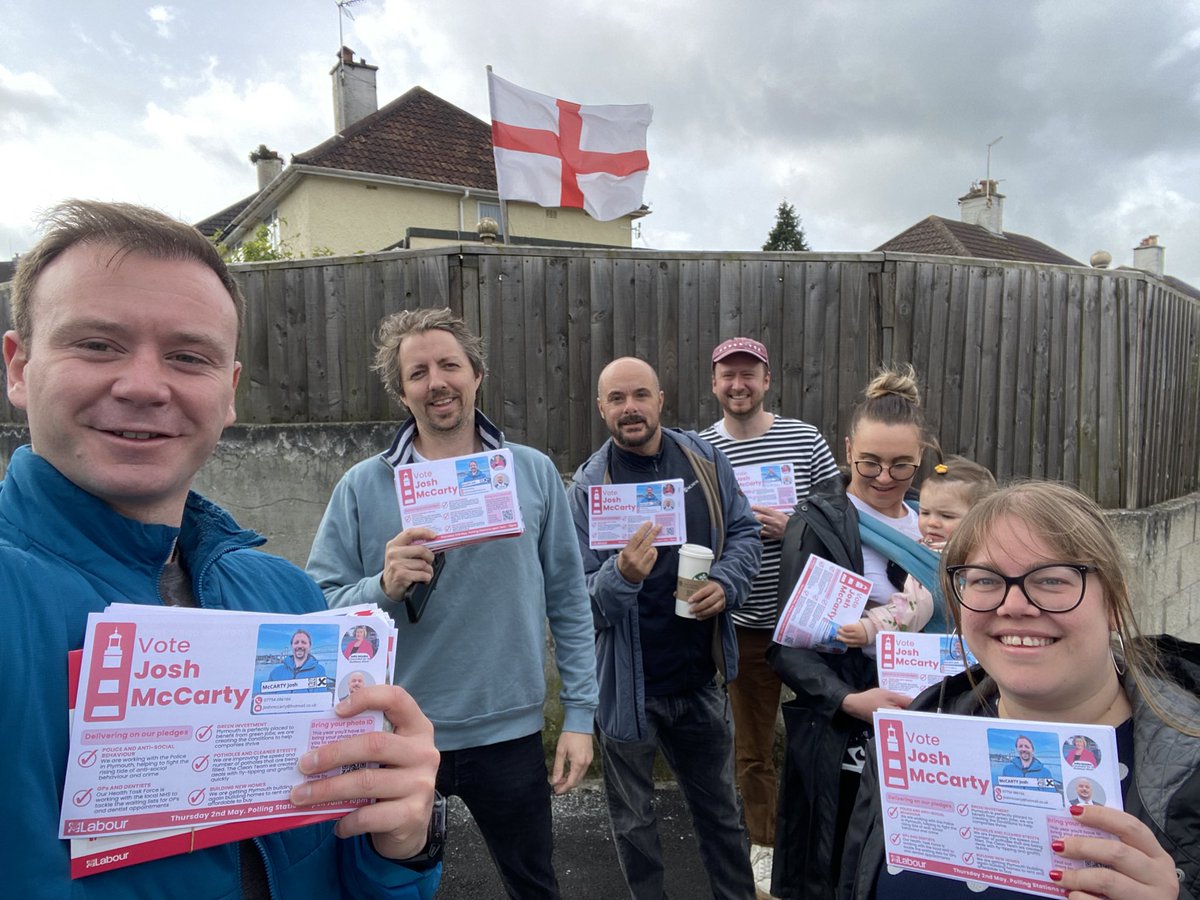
(787, 233)
(263, 248)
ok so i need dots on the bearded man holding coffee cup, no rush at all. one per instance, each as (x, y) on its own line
(657, 669)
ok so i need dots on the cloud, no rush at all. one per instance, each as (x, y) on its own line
(867, 116)
(162, 17)
(27, 99)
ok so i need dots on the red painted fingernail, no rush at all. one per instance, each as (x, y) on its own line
(1077, 810)
(1055, 875)
(1057, 846)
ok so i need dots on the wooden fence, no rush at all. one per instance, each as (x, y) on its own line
(1091, 377)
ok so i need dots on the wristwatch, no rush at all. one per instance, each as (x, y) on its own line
(435, 843)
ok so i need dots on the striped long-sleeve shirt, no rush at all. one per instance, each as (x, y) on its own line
(787, 440)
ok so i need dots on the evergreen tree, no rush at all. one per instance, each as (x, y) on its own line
(787, 233)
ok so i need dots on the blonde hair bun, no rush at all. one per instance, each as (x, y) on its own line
(900, 383)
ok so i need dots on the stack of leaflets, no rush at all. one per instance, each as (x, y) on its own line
(187, 724)
(464, 499)
(616, 511)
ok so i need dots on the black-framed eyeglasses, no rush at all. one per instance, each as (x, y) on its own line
(1052, 588)
(868, 468)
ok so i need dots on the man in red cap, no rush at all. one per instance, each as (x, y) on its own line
(750, 435)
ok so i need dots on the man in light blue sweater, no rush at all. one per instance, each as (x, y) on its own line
(475, 660)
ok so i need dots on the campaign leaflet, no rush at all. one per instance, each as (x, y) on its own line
(198, 716)
(909, 662)
(770, 484)
(825, 596)
(92, 855)
(465, 499)
(980, 799)
(616, 511)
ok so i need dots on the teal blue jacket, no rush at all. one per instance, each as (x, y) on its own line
(63, 554)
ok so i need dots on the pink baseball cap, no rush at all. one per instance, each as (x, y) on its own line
(741, 345)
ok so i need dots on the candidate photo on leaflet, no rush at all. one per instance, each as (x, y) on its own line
(301, 663)
(361, 642)
(123, 355)
(1080, 753)
(1025, 763)
(355, 681)
(1085, 792)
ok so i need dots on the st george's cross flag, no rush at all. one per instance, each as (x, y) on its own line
(556, 153)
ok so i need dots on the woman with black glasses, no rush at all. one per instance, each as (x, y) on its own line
(830, 720)
(1041, 599)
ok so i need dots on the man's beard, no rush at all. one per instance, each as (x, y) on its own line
(452, 425)
(633, 443)
(740, 415)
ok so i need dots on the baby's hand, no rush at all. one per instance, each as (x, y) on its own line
(853, 635)
(934, 543)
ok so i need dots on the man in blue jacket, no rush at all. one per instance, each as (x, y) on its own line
(1025, 763)
(658, 670)
(123, 357)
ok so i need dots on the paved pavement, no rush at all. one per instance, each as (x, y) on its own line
(584, 857)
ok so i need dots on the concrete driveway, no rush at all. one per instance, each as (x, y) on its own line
(584, 857)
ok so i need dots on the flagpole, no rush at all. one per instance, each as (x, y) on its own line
(503, 202)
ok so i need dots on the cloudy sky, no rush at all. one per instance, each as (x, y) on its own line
(868, 116)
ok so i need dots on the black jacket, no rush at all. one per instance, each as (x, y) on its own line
(818, 732)
(1166, 774)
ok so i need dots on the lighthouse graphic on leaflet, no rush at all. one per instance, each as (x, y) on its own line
(891, 751)
(108, 675)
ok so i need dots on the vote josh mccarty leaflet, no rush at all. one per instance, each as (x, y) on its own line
(617, 511)
(908, 662)
(465, 499)
(824, 597)
(770, 484)
(981, 800)
(198, 716)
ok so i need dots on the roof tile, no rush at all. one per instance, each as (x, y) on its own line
(418, 135)
(939, 236)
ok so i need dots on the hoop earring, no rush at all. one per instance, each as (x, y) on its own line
(1119, 665)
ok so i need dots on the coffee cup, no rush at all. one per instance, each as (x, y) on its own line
(694, 563)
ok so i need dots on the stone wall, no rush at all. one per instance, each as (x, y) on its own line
(277, 479)
(1162, 545)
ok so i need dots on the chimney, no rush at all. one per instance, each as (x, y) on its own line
(983, 205)
(268, 165)
(354, 94)
(1148, 256)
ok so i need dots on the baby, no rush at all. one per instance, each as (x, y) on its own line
(946, 495)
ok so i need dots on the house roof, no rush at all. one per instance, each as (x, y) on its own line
(419, 136)
(218, 222)
(1182, 286)
(938, 236)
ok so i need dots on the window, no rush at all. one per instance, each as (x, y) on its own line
(272, 224)
(492, 211)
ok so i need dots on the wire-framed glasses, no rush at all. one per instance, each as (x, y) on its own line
(868, 468)
(1053, 588)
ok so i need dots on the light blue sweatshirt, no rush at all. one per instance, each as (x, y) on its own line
(475, 662)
